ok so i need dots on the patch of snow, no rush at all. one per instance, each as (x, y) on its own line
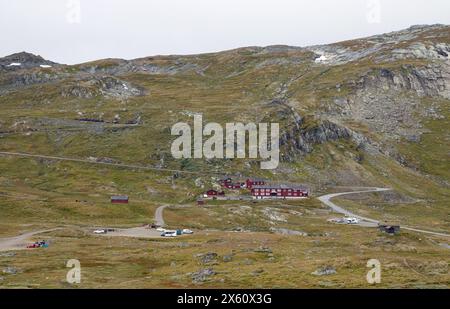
(15, 64)
(322, 58)
(45, 66)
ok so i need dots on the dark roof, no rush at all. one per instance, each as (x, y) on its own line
(281, 186)
(389, 227)
(119, 197)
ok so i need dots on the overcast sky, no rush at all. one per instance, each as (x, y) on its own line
(74, 31)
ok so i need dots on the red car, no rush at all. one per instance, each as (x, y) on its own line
(38, 244)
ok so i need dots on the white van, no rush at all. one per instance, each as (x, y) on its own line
(169, 234)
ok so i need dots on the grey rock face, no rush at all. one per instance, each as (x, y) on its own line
(301, 140)
(382, 47)
(23, 60)
(145, 66)
(439, 51)
(284, 231)
(432, 80)
(11, 270)
(389, 101)
(16, 80)
(202, 275)
(207, 258)
(324, 271)
(263, 250)
(101, 86)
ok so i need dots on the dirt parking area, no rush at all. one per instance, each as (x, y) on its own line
(138, 232)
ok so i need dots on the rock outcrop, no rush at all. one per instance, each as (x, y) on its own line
(431, 80)
(101, 86)
(24, 60)
(302, 139)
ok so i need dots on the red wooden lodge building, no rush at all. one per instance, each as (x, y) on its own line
(279, 192)
(213, 194)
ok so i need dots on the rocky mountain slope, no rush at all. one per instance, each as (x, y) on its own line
(371, 111)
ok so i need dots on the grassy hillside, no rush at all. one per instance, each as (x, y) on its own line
(375, 113)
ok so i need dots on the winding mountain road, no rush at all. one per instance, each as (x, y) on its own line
(326, 199)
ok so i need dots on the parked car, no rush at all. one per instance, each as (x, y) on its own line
(100, 232)
(187, 231)
(169, 234)
(351, 220)
(38, 244)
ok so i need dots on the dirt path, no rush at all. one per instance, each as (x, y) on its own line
(326, 199)
(20, 242)
(159, 219)
(131, 166)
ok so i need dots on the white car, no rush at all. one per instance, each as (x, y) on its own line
(169, 234)
(351, 220)
(100, 232)
(187, 231)
(160, 229)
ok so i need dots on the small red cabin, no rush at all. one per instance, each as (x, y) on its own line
(119, 199)
(279, 191)
(214, 193)
(228, 183)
